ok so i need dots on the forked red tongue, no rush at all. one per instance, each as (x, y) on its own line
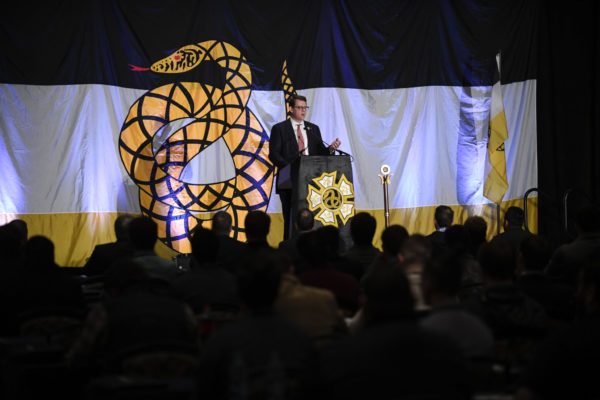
(136, 68)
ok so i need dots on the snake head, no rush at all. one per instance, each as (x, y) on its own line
(182, 60)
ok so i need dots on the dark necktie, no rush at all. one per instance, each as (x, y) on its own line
(300, 141)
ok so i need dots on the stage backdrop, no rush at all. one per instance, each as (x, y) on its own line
(165, 109)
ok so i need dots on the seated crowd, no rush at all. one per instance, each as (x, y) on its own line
(444, 316)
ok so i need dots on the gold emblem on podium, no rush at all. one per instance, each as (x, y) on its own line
(331, 198)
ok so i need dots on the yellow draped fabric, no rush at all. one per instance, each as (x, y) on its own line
(75, 234)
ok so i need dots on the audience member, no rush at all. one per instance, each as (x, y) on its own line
(260, 354)
(458, 241)
(304, 222)
(43, 284)
(441, 284)
(517, 321)
(392, 357)
(11, 269)
(136, 315)
(22, 229)
(417, 246)
(392, 240)
(565, 367)
(442, 220)
(11, 256)
(567, 259)
(556, 298)
(362, 253)
(321, 249)
(257, 224)
(413, 268)
(105, 254)
(143, 233)
(313, 309)
(477, 228)
(513, 227)
(416, 251)
(230, 250)
(207, 285)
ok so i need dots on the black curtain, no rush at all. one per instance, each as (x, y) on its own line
(568, 88)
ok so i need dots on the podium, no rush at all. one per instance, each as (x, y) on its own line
(324, 185)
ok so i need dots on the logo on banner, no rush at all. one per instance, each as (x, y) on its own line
(331, 198)
(170, 125)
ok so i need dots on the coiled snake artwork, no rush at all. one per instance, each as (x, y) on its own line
(213, 113)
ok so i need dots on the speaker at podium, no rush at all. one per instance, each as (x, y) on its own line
(324, 185)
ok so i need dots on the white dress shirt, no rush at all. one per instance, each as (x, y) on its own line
(303, 130)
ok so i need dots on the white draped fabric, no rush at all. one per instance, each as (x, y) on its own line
(59, 151)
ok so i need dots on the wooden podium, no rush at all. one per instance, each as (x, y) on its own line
(324, 185)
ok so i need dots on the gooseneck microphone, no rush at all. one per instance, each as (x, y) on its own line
(341, 152)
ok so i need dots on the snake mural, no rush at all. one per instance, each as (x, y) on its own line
(189, 117)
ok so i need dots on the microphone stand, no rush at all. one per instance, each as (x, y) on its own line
(385, 177)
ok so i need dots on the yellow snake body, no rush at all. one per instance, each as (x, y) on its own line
(217, 113)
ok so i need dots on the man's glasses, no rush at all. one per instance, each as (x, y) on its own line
(301, 107)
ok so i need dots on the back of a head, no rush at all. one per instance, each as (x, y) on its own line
(535, 252)
(320, 246)
(387, 292)
(143, 233)
(305, 220)
(362, 229)
(443, 216)
(445, 272)
(122, 227)
(221, 223)
(22, 229)
(417, 246)
(329, 235)
(514, 217)
(123, 274)
(392, 239)
(10, 242)
(497, 260)
(39, 253)
(588, 219)
(259, 278)
(205, 245)
(457, 237)
(257, 225)
(477, 228)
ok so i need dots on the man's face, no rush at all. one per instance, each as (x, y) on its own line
(298, 110)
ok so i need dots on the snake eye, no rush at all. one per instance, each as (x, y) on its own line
(177, 57)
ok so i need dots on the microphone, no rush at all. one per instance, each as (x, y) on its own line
(341, 152)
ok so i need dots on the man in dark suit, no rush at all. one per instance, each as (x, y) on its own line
(442, 219)
(105, 254)
(290, 139)
(230, 250)
(513, 227)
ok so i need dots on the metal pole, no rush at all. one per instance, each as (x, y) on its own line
(385, 177)
(386, 205)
